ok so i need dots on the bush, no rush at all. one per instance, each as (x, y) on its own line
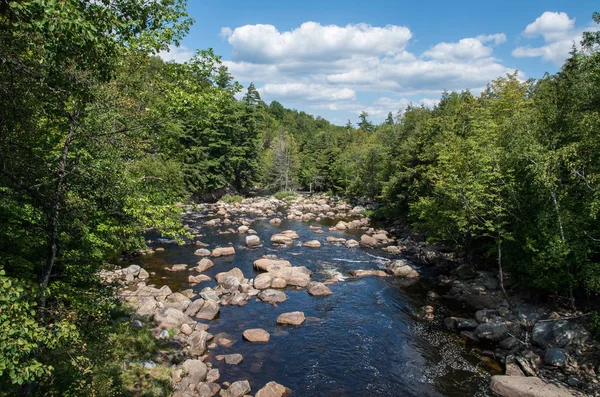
(229, 199)
(284, 195)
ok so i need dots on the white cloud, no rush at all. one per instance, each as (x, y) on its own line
(306, 92)
(265, 44)
(177, 54)
(552, 26)
(330, 67)
(559, 34)
(465, 49)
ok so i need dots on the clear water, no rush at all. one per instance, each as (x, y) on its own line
(365, 339)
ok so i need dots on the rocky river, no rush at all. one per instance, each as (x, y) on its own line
(270, 298)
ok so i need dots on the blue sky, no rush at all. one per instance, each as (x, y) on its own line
(337, 58)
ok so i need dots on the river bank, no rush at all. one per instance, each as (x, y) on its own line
(321, 258)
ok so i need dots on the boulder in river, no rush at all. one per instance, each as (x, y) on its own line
(291, 318)
(351, 244)
(202, 252)
(318, 289)
(223, 251)
(203, 265)
(197, 342)
(367, 241)
(275, 221)
(256, 335)
(237, 389)
(312, 244)
(274, 389)
(176, 268)
(266, 261)
(252, 241)
(263, 281)
(231, 359)
(209, 310)
(363, 273)
(272, 296)
(198, 279)
(401, 268)
(281, 239)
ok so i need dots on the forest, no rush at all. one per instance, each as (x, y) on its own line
(101, 140)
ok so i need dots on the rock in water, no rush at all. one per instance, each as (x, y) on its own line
(237, 389)
(252, 241)
(203, 265)
(291, 318)
(272, 296)
(312, 244)
(401, 268)
(274, 389)
(223, 251)
(318, 289)
(231, 359)
(256, 335)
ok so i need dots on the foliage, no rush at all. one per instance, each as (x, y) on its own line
(232, 199)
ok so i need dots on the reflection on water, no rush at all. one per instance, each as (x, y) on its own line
(365, 339)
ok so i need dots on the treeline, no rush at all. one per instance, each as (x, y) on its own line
(509, 178)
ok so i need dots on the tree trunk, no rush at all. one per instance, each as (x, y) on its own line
(53, 218)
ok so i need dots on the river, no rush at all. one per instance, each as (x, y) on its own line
(365, 339)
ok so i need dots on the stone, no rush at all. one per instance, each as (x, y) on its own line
(275, 221)
(559, 333)
(213, 375)
(209, 310)
(265, 262)
(143, 275)
(281, 239)
(170, 317)
(363, 273)
(229, 282)
(231, 359)
(194, 307)
(186, 329)
(196, 370)
(206, 389)
(134, 270)
(177, 268)
(291, 318)
(351, 244)
(530, 386)
(137, 324)
(198, 279)
(555, 357)
(312, 244)
(274, 389)
(494, 332)
(197, 342)
(256, 335)
(222, 251)
(401, 268)
(466, 324)
(341, 225)
(272, 296)
(335, 240)
(252, 241)
(263, 281)
(243, 229)
(278, 282)
(318, 289)
(367, 241)
(509, 343)
(237, 389)
(202, 252)
(203, 265)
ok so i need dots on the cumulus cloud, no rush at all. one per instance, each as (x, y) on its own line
(306, 92)
(330, 67)
(559, 34)
(176, 54)
(466, 49)
(264, 43)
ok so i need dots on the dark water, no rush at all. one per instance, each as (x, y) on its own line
(365, 339)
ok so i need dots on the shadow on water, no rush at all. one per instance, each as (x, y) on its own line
(365, 339)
